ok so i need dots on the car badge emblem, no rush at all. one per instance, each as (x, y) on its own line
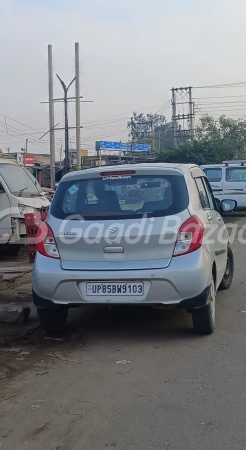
(113, 230)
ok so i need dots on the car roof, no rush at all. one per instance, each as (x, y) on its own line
(125, 167)
(210, 166)
(218, 166)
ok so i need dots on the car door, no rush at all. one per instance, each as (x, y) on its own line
(214, 227)
(220, 234)
(235, 185)
(214, 176)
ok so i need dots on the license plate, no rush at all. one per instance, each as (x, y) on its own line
(107, 289)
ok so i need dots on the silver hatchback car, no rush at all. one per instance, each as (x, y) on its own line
(138, 234)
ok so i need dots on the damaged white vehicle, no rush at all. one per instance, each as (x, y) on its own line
(20, 194)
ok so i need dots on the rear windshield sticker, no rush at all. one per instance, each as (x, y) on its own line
(73, 189)
(117, 177)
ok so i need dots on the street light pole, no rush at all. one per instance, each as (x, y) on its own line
(77, 94)
(51, 118)
(65, 89)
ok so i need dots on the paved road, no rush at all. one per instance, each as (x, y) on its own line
(179, 391)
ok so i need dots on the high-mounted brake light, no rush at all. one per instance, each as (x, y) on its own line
(46, 245)
(190, 237)
(118, 173)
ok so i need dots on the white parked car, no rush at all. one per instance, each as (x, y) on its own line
(166, 245)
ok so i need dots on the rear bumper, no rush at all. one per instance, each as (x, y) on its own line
(189, 304)
(182, 283)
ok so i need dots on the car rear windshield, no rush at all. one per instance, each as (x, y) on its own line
(120, 197)
(213, 175)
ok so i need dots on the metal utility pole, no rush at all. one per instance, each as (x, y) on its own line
(77, 95)
(144, 130)
(183, 122)
(51, 117)
(191, 113)
(153, 136)
(174, 119)
(132, 138)
(61, 155)
(24, 150)
(65, 89)
(120, 154)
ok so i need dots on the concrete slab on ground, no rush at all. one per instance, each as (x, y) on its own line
(14, 273)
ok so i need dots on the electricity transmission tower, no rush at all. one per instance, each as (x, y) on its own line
(182, 115)
(142, 130)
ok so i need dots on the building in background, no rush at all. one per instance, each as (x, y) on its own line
(73, 156)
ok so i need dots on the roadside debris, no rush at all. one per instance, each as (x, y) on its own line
(55, 355)
(13, 313)
(123, 362)
(41, 373)
(12, 350)
(47, 338)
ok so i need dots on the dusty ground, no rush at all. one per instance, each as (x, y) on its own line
(130, 378)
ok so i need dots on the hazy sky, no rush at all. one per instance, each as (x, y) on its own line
(132, 53)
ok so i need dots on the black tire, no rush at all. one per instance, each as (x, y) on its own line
(52, 320)
(229, 273)
(204, 318)
(10, 250)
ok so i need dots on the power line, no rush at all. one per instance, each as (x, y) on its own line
(20, 123)
(227, 85)
(102, 137)
(165, 106)
(13, 129)
(239, 102)
(105, 126)
(126, 118)
(223, 96)
(227, 109)
(106, 120)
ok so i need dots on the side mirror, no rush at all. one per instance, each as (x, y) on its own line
(228, 205)
(2, 190)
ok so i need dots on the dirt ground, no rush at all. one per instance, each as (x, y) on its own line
(128, 378)
(28, 338)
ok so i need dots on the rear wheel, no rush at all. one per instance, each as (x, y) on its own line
(10, 250)
(52, 320)
(204, 318)
(228, 275)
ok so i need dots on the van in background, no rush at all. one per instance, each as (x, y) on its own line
(228, 180)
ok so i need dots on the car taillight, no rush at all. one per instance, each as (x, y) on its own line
(190, 237)
(47, 245)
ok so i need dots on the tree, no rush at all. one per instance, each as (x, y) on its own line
(214, 141)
